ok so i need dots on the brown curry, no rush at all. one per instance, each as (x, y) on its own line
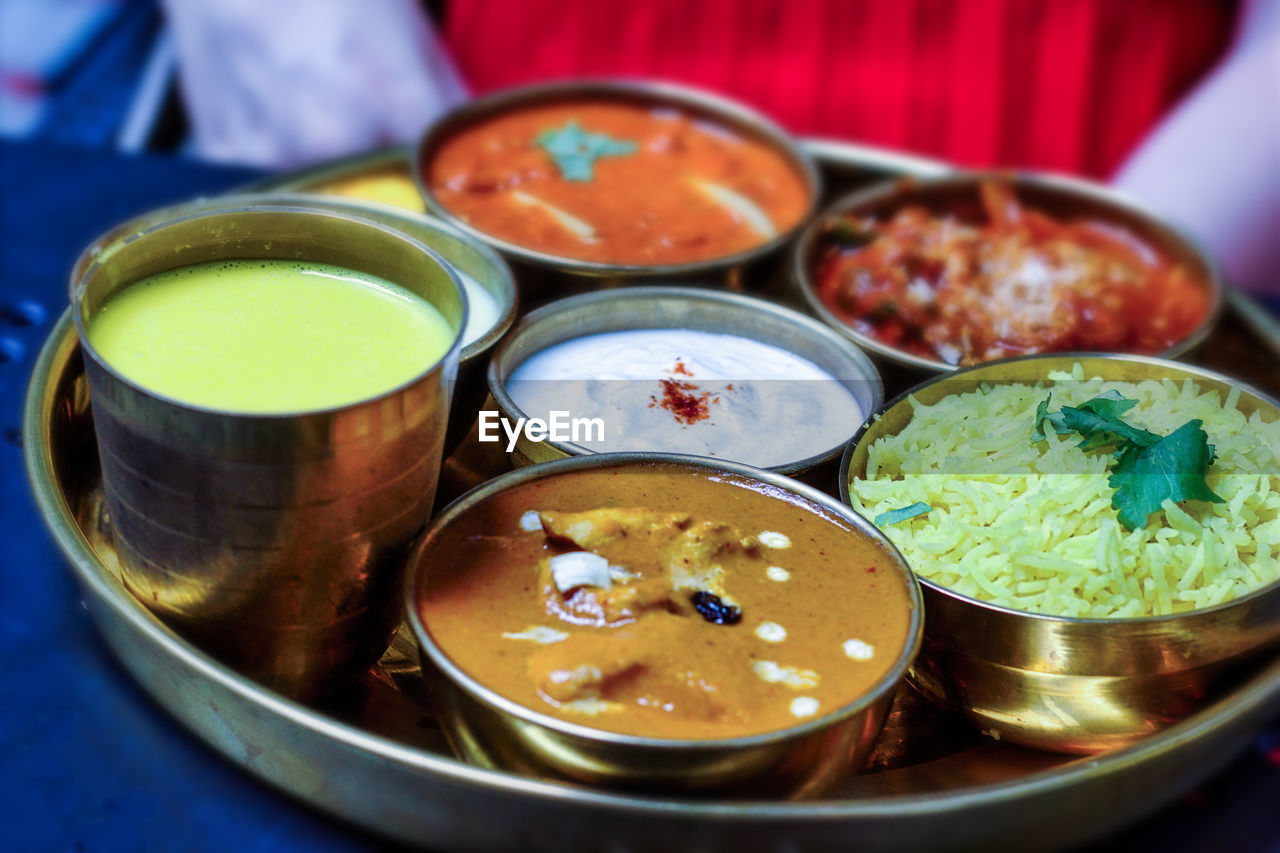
(617, 182)
(724, 608)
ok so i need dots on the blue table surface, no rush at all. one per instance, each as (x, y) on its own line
(89, 761)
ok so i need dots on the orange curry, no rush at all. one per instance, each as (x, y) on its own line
(666, 603)
(617, 182)
(1004, 280)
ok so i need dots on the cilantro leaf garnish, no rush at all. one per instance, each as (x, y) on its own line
(1147, 469)
(1172, 468)
(574, 150)
(1108, 404)
(845, 233)
(894, 516)
(1098, 420)
(1043, 419)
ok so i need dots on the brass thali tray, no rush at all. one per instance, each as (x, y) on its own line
(375, 755)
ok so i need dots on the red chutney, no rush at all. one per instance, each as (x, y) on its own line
(671, 187)
(1009, 281)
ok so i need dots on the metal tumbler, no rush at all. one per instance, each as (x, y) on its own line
(272, 541)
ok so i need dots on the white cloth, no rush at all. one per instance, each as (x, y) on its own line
(283, 83)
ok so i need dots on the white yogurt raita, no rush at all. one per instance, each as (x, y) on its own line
(482, 309)
(687, 391)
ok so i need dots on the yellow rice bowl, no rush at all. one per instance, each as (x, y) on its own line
(1031, 527)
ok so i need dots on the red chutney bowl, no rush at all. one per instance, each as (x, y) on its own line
(903, 269)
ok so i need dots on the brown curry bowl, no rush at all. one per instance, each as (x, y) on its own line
(541, 272)
(1075, 685)
(1055, 194)
(802, 759)
(684, 308)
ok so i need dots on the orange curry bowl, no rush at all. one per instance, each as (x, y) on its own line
(618, 179)
(663, 623)
(945, 272)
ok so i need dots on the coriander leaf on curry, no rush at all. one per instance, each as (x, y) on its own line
(618, 182)
(575, 150)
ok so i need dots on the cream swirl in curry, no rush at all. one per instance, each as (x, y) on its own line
(669, 604)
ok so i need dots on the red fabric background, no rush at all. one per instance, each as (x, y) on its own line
(1069, 85)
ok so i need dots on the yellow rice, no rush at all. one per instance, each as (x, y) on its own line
(1031, 527)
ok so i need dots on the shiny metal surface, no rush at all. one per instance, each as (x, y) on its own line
(274, 541)
(1075, 685)
(732, 271)
(846, 165)
(1260, 321)
(313, 179)
(801, 761)
(683, 308)
(1055, 194)
(372, 755)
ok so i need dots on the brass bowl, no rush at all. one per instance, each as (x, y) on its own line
(1055, 194)
(273, 541)
(335, 178)
(1073, 684)
(465, 254)
(802, 760)
(683, 308)
(731, 270)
